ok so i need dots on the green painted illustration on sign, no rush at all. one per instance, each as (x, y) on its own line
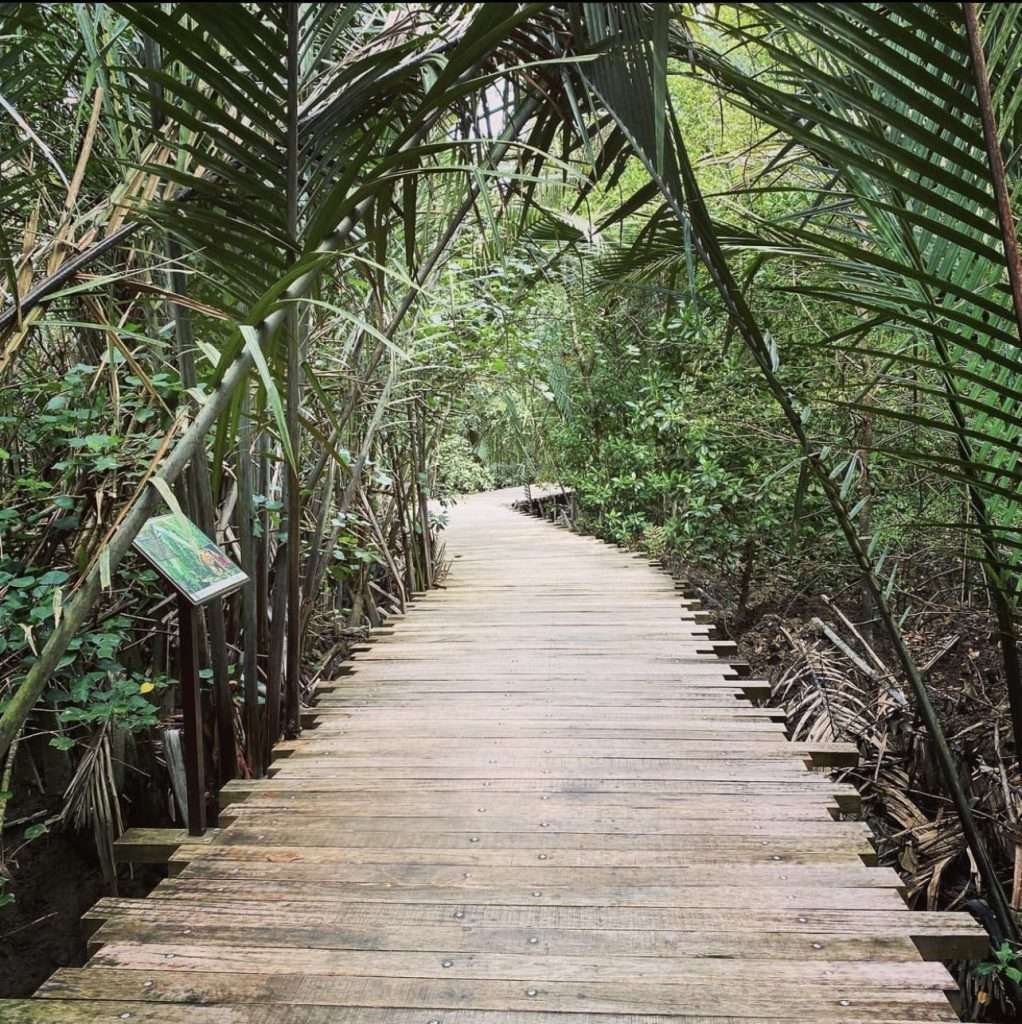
(179, 550)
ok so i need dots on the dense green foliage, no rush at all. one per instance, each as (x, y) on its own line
(735, 274)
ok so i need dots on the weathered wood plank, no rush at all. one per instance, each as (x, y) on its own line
(411, 919)
(829, 997)
(543, 806)
(228, 940)
(390, 848)
(854, 875)
(669, 901)
(78, 1011)
(548, 966)
(301, 939)
(812, 787)
(156, 845)
(585, 832)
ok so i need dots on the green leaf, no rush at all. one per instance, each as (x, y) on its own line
(253, 346)
(53, 578)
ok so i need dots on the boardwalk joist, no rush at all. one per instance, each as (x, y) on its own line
(541, 798)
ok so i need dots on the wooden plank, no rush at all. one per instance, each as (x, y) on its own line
(156, 845)
(704, 682)
(814, 787)
(650, 754)
(531, 714)
(391, 848)
(411, 917)
(327, 727)
(633, 747)
(540, 805)
(292, 896)
(697, 672)
(599, 832)
(679, 771)
(854, 875)
(79, 1011)
(634, 723)
(212, 927)
(228, 939)
(828, 997)
(324, 733)
(823, 848)
(675, 820)
(524, 965)
(87, 1012)
(384, 651)
(602, 663)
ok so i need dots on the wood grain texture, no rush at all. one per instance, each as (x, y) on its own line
(542, 797)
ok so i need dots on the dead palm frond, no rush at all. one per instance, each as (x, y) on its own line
(92, 799)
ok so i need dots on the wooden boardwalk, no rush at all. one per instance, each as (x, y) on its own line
(541, 799)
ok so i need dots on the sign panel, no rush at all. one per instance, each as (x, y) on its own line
(191, 562)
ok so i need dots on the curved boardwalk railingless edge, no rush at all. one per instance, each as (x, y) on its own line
(542, 793)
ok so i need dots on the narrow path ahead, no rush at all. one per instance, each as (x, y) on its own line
(542, 794)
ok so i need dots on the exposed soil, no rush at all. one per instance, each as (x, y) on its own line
(55, 878)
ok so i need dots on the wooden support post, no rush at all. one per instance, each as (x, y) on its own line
(191, 700)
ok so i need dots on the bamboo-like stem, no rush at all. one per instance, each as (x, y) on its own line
(262, 578)
(998, 176)
(275, 672)
(64, 274)
(319, 552)
(382, 541)
(249, 595)
(292, 699)
(200, 491)
(418, 472)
